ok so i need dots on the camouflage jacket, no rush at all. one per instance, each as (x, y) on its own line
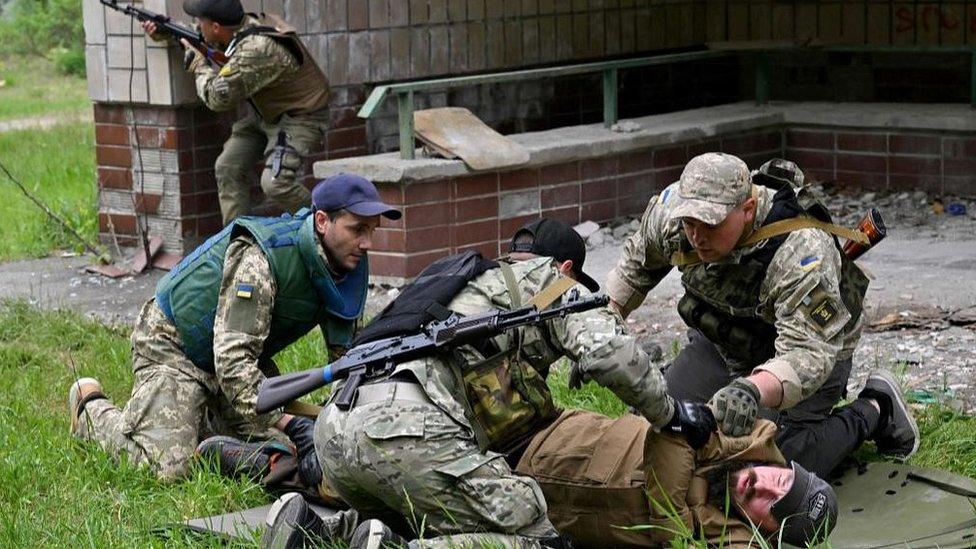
(805, 350)
(255, 62)
(240, 329)
(596, 340)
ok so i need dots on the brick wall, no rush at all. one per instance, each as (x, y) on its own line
(937, 163)
(167, 181)
(360, 43)
(483, 211)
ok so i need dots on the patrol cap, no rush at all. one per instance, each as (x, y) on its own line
(777, 174)
(555, 239)
(226, 12)
(808, 512)
(353, 193)
(711, 186)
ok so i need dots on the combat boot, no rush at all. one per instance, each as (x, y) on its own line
(374, 534)
(897, 435)
(292, 524)
(237, 458)
(82, 392)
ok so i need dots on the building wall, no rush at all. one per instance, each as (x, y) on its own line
(360, 43)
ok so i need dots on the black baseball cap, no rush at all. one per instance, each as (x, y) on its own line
(555, 239)
(226, 12)
(353, 193)
(808, 512)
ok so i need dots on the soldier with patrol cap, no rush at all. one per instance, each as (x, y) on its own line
(270, 68)
(203, 344)
(774, 310)
(422, 450)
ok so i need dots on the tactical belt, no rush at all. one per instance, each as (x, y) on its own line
(387, 391)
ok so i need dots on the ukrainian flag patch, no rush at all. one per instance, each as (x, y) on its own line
(244, 291)
(809, 262)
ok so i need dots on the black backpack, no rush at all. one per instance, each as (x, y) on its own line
(426, 298)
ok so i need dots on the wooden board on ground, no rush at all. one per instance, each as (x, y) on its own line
(455, 132)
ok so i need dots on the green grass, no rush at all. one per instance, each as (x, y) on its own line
(58, 166)
(32, 87)
(57, 492)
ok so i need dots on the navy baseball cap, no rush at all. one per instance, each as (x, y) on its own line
(353, 193)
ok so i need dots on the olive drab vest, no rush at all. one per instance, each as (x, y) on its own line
(506, 397)
(302, 92)
(307, 295)
(722, 301)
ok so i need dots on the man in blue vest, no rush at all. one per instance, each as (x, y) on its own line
(205, 341)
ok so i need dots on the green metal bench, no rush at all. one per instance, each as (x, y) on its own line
(404, 92)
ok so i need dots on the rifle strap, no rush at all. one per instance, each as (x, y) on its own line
(513, 289)
(552, 292)
(682, 259)
(299, 408)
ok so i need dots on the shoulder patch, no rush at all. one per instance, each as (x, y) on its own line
(244, 291)
(665, 195)
(227, 70)
(823, 313)
(809, 262)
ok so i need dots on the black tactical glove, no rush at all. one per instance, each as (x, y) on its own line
(694, 420)
(300, 430)
(735, 407)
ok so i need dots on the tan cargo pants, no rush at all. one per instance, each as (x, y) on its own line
(253, 139)
(174, 405)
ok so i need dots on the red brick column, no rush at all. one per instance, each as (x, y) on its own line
(155, 164)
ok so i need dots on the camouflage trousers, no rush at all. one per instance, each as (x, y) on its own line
(409, 464)
(174, 405)
(253, 140)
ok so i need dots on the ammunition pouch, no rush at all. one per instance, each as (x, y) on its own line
(508, 401)
(748, 340)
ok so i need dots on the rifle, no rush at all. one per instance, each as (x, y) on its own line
(378, 359)
(175, 30)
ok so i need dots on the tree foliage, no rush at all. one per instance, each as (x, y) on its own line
(50, 28)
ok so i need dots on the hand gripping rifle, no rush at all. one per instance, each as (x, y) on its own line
(379, 358)
(175, 30)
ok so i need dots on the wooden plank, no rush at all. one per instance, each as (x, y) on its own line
(457, 132)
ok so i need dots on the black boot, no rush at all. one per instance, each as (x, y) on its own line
(897, 435)
(238, 458)
(292, 524)
(374, 534)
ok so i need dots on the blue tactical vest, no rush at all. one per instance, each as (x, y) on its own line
(306, 293)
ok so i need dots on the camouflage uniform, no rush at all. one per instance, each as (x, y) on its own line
(174, 403)
(257, 63)
(416, 463)
(812, 356)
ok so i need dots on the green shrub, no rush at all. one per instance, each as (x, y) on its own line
(68, 61)
(37, 26)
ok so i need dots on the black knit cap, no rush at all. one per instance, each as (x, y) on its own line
(229, 13)
(808, 512)
(555, 239)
